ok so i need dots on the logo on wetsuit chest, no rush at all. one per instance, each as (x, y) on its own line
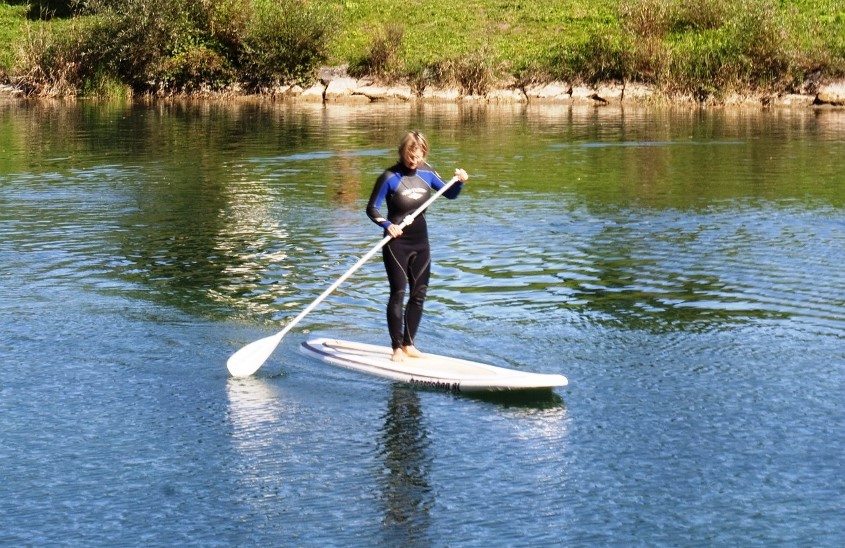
(414, 193)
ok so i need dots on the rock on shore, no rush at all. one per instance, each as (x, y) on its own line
(10, 91)
(832, 94)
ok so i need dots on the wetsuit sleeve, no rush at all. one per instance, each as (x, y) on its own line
(377, 197)
(435, 182)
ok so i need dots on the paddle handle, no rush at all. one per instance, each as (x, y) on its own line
(369, 255)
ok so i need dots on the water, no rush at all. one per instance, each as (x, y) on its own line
(681, 268)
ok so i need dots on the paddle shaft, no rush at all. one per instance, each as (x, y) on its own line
(329, 290)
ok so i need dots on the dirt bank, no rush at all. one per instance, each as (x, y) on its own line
(334, 86)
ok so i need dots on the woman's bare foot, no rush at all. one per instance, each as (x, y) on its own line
(412, 352)
(398, 355)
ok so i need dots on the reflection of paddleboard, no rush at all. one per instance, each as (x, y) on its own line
(430, 371)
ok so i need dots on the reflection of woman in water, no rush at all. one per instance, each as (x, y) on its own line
(407, 495)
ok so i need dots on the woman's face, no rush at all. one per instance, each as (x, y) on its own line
(412, 157)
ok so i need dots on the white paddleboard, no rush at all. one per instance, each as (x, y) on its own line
(429, 371)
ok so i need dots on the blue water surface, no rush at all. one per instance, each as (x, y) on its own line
(692, 294)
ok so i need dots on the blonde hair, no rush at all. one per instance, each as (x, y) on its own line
(413, 140)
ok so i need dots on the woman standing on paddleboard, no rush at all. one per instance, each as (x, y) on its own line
(407, 257)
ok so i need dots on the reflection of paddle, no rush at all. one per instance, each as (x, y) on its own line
(248, 359)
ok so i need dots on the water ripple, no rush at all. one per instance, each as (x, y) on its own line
(669, 270)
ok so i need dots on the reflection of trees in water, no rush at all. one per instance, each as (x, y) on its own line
(345, 185)
(405, 488)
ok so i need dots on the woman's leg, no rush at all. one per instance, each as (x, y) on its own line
(395, 262)
(419, 272)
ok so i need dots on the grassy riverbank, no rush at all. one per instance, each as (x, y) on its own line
(689, 45)
(700, 47)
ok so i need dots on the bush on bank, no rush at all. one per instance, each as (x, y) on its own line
(703, 48)
(166, 47)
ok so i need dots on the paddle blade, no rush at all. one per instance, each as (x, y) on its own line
(251, 357)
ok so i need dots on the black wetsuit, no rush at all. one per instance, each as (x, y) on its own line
(407, 258)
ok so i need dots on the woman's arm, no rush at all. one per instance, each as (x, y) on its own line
(435, 182)
(377, 197)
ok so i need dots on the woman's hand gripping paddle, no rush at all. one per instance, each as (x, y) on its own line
(251, 357)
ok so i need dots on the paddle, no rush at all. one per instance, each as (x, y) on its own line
(251, 357)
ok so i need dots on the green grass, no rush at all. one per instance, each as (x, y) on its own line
(12, 20)
(516, 32)
(699, 46)
(704, 47)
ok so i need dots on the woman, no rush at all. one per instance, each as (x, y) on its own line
(407, 257)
